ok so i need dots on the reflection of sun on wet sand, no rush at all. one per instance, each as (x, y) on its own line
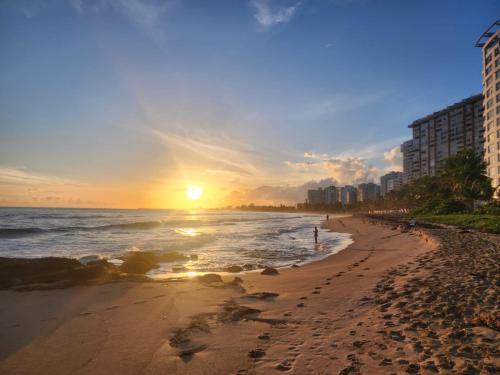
(391, 302)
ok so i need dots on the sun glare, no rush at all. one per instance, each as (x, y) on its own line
(194, 192)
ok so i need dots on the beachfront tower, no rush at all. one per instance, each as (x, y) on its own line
(489, 42)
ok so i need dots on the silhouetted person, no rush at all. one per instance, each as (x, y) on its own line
(315, 234)
(327, 217)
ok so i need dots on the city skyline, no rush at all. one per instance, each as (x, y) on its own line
(125, 104)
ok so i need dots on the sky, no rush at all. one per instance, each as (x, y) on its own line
(126, 103)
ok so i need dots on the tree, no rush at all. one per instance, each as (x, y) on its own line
(465, 175)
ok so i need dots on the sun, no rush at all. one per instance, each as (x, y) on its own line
(194, 192)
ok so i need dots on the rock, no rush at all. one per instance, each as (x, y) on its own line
(295, 266)
(233, 269)
(210, 278)
(52, 272)
(269, 271)
(256, 353)
(139, 262)
(188, 352)
(179, 269)
(264, 336)
(413, 368)
(233, 312)
(262, 295)
(248, 267)
(385, 362)
(237, 280)
(90, 259)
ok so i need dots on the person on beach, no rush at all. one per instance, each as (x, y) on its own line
(412, 223)
(327, 217)
(315, 234)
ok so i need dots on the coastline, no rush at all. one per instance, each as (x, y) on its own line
(325, 318)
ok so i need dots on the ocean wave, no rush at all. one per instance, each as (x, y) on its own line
(19, 232)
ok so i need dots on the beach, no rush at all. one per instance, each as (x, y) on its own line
(393, 301)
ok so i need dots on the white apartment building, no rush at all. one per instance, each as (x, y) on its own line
(442, 134)
(489, 42)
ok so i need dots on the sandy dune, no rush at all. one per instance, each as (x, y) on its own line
(338, 315)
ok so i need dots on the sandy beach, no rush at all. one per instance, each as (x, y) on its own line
(392, 302)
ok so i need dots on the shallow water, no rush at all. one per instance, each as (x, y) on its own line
(218, 238)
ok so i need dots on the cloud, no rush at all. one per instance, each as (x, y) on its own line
(343, 103)
(13, 176)
(394, 158)
(228, 160)
(352, 170)
(274, 195)
(145, 14)
(268, 16)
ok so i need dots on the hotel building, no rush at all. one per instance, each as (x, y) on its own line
(368, 192)
(390, 181)
(489, 42)
(443, 134)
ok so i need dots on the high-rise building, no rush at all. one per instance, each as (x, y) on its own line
(330, 195)
(347, 195)
(390, 181)
(368, 192)
(315, 197)
(443, 134)
(489, 42)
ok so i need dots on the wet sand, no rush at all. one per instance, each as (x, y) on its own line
(392, 302)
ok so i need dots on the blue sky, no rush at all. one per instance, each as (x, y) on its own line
(117, 102)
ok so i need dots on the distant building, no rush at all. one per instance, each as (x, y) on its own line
(315, 197)
(347, 196)
(368, 192)
(443, 134)
(330, 195)
(390, 181)
(489, 42)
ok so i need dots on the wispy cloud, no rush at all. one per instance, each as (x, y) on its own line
(229, 160)
(343, 103)
(145, 14)
(24, 177)
(267, 14)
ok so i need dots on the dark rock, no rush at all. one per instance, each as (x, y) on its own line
(413, 368)
(256, 353)
(295, 266)
(233, 269)
(385, 362)
(262, 295)
(210, 278)
(188, 352)
(269, 271)
(233, 312)
(179, 269)
(52, 272)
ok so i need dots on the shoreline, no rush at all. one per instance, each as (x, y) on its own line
(323, 317)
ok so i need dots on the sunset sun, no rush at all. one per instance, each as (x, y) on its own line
(194, 192)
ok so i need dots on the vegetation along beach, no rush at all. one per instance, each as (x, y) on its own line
(250, 187)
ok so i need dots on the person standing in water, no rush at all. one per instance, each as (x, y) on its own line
(327, 217)
(315, 234)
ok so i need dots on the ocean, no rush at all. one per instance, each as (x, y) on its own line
(218, 238)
